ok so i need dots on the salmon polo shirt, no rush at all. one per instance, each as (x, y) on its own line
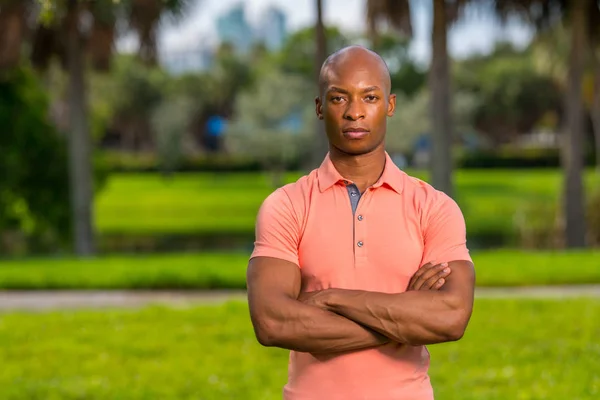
(374, 242)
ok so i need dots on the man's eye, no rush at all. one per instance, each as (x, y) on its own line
(371, 97)
(336, 99)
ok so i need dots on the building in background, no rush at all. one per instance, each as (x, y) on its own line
(272, 29)
(233, 28)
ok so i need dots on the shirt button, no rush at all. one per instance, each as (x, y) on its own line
(360, 244)
(360, 217)
(345, 182)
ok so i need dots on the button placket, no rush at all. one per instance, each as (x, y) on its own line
(360, 232)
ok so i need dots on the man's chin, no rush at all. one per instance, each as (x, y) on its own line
(357, 150)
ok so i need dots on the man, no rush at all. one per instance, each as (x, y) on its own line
(358, 266)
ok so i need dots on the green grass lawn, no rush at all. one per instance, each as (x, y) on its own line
(513, 349)
(147, 204)
(214, 270)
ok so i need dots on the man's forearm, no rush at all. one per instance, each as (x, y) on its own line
(414, 317)
(296, 326)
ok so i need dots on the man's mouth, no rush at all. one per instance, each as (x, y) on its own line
(355, 132)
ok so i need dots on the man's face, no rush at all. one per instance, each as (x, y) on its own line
(354, 106)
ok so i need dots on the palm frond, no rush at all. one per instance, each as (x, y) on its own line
(395, 13)
(144, 18)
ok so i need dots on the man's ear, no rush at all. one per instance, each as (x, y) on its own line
(319, 107)
(391, 105)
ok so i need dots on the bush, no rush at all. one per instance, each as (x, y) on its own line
(515, 158)
(540, 225)
(537, 225)
(34, 192)
(593, 218)
(150, 162)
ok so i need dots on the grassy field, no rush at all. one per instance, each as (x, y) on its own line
(513, 349)
(137, 204)
(214, 270)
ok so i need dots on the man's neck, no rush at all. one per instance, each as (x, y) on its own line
(364, 170)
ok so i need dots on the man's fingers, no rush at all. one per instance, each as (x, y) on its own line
(418, 274)
(431, 272)
(437, 280)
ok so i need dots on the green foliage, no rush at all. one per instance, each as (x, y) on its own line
(170, 121)
(264, 128)
(513, 96)
(299, 51)
(228, 270)
(412, 119)
(138, 89)
(407, 77)
(210, 352)
(34, 192)
(593, 217)
(515, 158)
(540, 225)
(116, 161)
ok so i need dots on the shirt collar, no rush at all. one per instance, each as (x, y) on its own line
(392, 176)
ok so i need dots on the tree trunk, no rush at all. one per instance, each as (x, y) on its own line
(596, 109)
(12, 31)
(439, 83)
(573, 193)
(321, 144)
(80, 166)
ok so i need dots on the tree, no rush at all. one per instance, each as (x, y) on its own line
(412, 119)
(74, 30)
(12, 31)
(397, 14)
(321, 146)
(34, 193)
(577, 13)
(274, 133)
(514, 97)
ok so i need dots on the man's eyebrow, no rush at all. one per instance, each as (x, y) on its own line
(365, 90)
(371, 89)
(337, 89)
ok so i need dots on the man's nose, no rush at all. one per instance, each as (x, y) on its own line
(354, 111)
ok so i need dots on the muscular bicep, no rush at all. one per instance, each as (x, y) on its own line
(460, 285)
(269, 277)
(272, 285)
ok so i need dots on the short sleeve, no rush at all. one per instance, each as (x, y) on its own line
(445, 237)
(276, 231)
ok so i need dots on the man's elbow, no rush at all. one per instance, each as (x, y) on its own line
(267, 332)
(456, 325)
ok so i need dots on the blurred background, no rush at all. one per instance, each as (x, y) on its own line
(139, 137)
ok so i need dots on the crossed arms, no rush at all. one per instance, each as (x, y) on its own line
(436, 308)
(335, 320)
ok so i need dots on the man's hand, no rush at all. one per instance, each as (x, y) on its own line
(429, 277)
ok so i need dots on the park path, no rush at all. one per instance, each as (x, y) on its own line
(78, 299)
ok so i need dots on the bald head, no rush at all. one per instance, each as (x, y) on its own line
(356, 57)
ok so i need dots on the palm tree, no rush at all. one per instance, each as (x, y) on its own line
(544, 14)
(396, 13)
(71, 40)
(594, 25)
(321, 145)
(12, 31)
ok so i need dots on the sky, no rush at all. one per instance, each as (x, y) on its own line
(475, 33)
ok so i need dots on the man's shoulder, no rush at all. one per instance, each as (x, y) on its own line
(423, 192)
(293, 192)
